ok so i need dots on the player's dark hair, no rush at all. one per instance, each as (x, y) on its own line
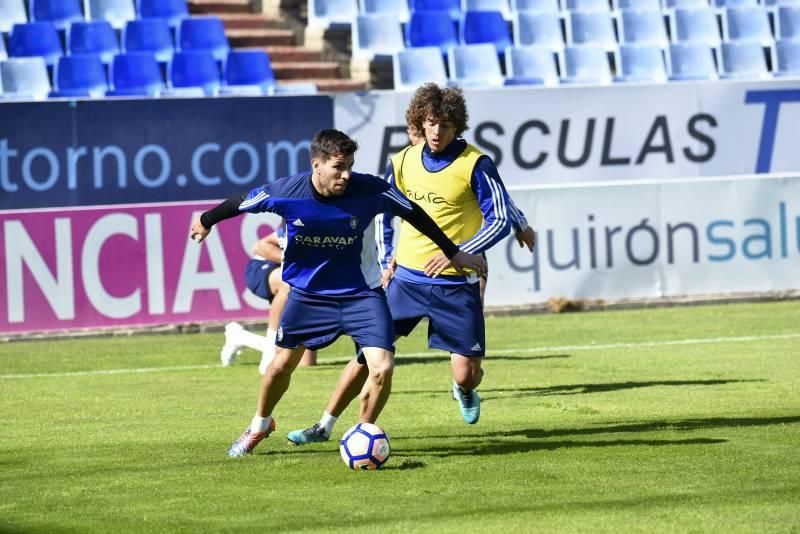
(443, 104)
(332, 142)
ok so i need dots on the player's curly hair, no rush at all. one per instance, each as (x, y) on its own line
(330, 142)
(448, 104)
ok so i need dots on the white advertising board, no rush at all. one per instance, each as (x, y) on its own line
(577, 134)
(649, 239)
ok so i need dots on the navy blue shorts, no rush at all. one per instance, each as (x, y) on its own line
(454, 312)
(256, 275)
(316, 321)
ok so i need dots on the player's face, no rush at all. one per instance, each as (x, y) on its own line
(438, 133)
(333, 174)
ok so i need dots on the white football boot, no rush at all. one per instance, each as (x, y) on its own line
(232, 347)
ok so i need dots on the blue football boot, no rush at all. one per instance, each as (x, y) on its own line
(314, 434)
(469, 402)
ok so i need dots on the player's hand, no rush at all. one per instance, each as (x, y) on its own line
(198, 232)
(388, 274)
(461, 262)
(526, 237)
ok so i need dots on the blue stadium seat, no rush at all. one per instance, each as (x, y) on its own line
(116, 12)
(453, 7)
(594, 28)
(25, 78)
(12, 12)
(540, 29)
(528, 65)
(475, 65)
(587, 5)
(61, 13)
(204, 33)
(685, 4)
(414, 66)
(747, 24)
(692, 61)
(397, 8)
(174, 11)
(695, 26)
(744, 59)
(535, 6)
(641, 64)
(479, 27)
(787, 58)
(149, 35)
(431, 28)
(79, 76)
(586, 64)
(639, 5)
(136, 74)
(95, 37)
(248, 72)
(489, 5)
(643, 28)
(736, 3)
(194, 73)
(327, 13)
(35, 39)
(377, 34)
(788, 23)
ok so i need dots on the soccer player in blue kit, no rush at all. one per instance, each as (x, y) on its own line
(461, 190)
(332, 269)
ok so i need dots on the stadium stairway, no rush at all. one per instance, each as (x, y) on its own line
(277, 29)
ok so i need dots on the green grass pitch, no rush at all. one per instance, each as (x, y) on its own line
(659, 420)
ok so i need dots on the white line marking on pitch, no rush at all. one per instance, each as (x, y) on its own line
(590, 346)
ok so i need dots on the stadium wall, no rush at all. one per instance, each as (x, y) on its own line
(96, 199)
(637, 192)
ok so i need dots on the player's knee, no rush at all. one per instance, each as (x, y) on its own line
(279, 368)
(382, 371)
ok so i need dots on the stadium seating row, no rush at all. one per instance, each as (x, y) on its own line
(326, 13)
(477, 65)
(189, 73)
(379, 34)
(61, 13)
(99, 37)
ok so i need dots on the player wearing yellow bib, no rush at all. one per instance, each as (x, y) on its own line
(459, 187)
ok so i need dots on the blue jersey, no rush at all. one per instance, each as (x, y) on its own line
(326, 251)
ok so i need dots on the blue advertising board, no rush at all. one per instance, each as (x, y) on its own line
(82, 153)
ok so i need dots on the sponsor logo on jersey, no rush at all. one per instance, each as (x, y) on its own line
(427, 197)
(324, 241)
(298, 222)
(353, 222)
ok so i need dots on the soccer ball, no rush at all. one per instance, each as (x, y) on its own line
(365, 446)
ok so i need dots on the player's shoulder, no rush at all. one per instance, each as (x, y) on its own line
(365, 185)
(294, 186)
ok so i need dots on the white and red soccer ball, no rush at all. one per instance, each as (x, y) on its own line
(365, 446)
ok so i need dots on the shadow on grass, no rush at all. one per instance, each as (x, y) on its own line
(513, 447)
(576, 389)
(488, 394)
(439, 358)
(652, 426)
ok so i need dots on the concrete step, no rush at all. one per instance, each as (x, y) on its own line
(287, 54)
(330, 86)
(260, 37)
(312, 69)
(249, 21)
(219, 6)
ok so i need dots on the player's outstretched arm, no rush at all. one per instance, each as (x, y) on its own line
(226, 209)
(450, 255)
